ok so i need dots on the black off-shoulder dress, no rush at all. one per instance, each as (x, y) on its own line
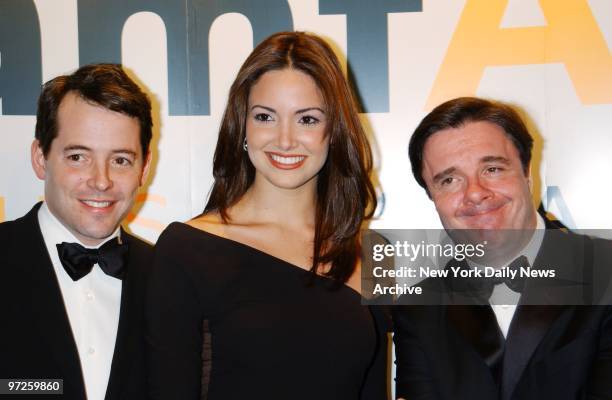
(227, 321)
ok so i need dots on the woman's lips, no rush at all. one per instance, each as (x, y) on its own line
(286, 161)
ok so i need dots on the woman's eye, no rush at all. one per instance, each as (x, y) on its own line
(309, 120)
(263, 117)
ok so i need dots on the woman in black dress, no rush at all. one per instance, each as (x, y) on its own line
(259, 297)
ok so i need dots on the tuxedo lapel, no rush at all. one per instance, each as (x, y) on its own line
(531, 323)
(478, 326)
(47, 305)
(529, 326)
(129, 332)
(475, 322)
(121, 360)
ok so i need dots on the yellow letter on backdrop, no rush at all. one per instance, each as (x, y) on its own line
(572, 37)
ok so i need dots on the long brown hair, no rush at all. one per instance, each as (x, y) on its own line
(345, 194)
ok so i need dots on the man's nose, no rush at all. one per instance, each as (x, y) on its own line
(100, 178)
(477, 191)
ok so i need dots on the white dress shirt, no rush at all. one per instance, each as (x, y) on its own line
(92, 304)
(505, 312)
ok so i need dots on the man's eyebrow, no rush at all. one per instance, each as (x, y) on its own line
(264, 107)
(76, 147)
(498, 159)
(85, 148)
(125, 151)
(441, 175)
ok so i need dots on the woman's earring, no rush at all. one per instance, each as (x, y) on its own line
(245, 146)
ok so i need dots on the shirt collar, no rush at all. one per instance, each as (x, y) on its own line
(55, 232)
(533, 247)
(530, 250)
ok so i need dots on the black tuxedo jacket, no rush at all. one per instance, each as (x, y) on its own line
(454, 352)
(36, 340)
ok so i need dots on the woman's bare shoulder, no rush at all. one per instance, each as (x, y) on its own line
(210, 222)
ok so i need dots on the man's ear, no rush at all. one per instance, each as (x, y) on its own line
(37, 158)
(146, 167)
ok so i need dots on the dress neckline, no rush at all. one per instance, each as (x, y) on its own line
(263, 253)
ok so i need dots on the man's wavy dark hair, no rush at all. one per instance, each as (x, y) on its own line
(460, 111)
(106, 85)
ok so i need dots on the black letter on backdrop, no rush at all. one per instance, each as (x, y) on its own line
(367, 45)
(187, 24)
(20, 65)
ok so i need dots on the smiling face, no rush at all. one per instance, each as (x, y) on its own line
(93, 168)
(285, 129)
(476, 180)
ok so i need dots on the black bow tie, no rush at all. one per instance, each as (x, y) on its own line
(516, 284)
(482, 288)
(78, 260)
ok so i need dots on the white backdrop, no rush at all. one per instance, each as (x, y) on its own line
(550, 57)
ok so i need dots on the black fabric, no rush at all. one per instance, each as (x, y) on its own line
(481, 288)
(36, 339)
(272, 334)
(529, 326)
(516, 284)
(478, 325)
(78, 261)
(445, 352)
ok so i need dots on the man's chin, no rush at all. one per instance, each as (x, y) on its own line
(492, 232)
(499, 243)
(95, 231)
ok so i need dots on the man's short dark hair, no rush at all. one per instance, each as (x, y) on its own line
(106, 85)
(456, 113)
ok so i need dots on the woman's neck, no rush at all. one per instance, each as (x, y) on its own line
(265, 203)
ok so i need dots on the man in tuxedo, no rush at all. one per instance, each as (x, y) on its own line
(472, 157)
(72, 281)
